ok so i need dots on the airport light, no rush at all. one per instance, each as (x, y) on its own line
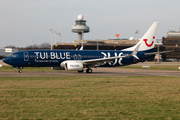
(82, 39)
(59, 36)
(32, 44)
(97, 45)
(55, 37)
(137, 32)
(158, 54)
(51, 36)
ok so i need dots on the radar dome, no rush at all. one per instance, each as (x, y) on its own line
(80, 17)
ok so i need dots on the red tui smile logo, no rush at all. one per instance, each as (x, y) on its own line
(149, 45)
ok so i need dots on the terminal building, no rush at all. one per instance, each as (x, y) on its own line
(4, 52)
(172, 42)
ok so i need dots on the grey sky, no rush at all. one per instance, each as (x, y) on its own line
(24, 21)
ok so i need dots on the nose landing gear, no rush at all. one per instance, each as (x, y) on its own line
(17, 67)
(20, 70)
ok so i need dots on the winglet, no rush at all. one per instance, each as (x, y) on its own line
(136, 57)
(81, 48)
(134, 53)
(136, 50)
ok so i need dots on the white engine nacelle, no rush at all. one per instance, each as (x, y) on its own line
(72, 65)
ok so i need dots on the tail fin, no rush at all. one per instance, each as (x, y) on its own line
(148, 40)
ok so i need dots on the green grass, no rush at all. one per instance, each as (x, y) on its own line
(90, 98)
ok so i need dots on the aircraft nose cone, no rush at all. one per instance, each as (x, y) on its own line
(7, 60)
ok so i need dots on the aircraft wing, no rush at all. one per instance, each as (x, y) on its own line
(102, 60)
(158, 52)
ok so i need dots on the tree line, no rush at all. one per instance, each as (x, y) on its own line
(34, 46)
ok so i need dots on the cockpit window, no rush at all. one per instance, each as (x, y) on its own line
(14, 55)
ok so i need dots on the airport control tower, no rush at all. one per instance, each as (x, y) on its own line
(80, 27)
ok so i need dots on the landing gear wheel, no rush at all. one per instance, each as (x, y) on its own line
(89, 70)
(81, 71)
(20, 71)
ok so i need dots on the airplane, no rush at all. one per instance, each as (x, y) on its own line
(78, 60)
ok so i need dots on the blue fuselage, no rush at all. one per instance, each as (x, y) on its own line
(53, 58)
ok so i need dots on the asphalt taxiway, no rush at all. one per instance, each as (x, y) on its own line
(109, 72)
(100, 71)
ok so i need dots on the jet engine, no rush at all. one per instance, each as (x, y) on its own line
(72, 65)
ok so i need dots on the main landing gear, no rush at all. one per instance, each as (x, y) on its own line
(87, 71)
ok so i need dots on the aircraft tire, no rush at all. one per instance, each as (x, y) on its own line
(89, 71)
(20, 71)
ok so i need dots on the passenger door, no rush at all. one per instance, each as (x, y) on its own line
(26, 56)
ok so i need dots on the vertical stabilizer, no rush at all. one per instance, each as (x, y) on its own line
(148, 40)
